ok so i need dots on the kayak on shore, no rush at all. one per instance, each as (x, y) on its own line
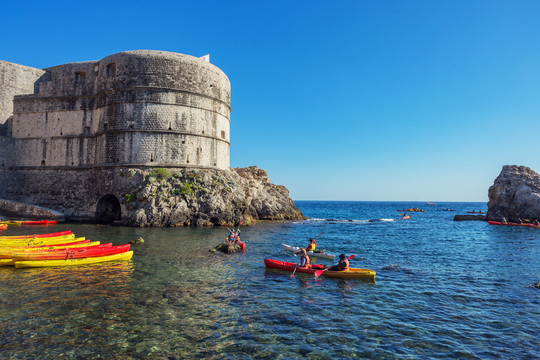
(45, 241)
(60, 233)
(322, 255)
(71, 262)
(345, 274)
(74, 253)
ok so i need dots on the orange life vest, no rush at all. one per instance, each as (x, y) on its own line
(306, 259)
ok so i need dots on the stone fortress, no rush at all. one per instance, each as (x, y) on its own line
(70, 134)
(134, 108)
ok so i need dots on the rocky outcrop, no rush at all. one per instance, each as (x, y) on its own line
(514, 194)
(227, 248)
(203, 197)
(470, 218)
(18, 210)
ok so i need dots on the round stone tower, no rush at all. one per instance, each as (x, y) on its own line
(156, 107)
(130, 109)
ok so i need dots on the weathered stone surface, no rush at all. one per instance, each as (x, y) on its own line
(140, 138)
(156, 197)
(24, 211)
(514, 194)
(470, 217)
(227, 248)
(206, 198)
(133, 108)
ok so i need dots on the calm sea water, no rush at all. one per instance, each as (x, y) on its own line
(443, 290)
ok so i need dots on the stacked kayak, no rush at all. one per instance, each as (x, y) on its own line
(57, 249)
(64, 239)
(60, 233)
(350, 273)
(315, 253)
(30, 222)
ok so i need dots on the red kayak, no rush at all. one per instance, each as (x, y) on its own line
(65, 247)
(75, 253)
(349, 273)
(288, 266)
(61, 233)
(508, 223)
(39, 222)
(86, 241)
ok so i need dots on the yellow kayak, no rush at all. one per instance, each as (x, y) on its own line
(71, 262)
(40, 241)
(351, 273)
(5, 262)
(6, 253)
(17, 223)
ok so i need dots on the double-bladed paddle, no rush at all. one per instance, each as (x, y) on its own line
(292, 275)
(319, 272)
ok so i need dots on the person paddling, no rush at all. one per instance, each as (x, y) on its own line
(312, 245)
(304, 259)
(343, 264)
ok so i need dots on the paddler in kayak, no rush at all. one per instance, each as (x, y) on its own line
(304, 260)
(343, 264)
(234, 237)
(312, 245)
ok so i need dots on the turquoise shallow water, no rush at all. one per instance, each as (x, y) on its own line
(452, 290)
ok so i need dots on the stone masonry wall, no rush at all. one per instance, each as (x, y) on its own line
(136, 108)
(15, 80)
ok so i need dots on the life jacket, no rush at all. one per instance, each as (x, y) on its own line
(306, 259)
(311, 246)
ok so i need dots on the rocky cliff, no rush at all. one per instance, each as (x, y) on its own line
(203, 197)
(515, 194)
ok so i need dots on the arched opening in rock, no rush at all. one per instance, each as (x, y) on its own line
(108, 210)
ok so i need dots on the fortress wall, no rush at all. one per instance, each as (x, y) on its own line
(69, 80)
(7, 147)
(165, 70)
(143, 108)
(123, 149)
(14, 80)
(74, 192)
(49, 124)
(163, 149)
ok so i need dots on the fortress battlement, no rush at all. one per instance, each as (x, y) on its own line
(130, 109)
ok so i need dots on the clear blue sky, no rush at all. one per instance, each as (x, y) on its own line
(342, 100)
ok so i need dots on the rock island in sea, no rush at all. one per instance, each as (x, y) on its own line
(140, 138)
(514, 195)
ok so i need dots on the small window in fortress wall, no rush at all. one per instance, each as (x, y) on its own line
(111, 69)
(80, 76)
(222, 134)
